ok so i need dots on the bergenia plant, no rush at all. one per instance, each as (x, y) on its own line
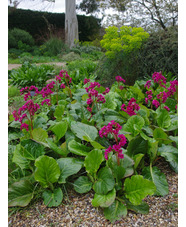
(120, 82)
(27, 111)
(29, 92)
(120, 140)
(131, 108)
(95, 97)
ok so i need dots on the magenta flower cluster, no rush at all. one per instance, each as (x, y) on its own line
(94, 96)
(148, 84)
(159, 78)
(162, 96)
(46, 91)
(26, 111)
(132, 106)
(149, 96)
(28, 91)
(113, 128)
(120, 79)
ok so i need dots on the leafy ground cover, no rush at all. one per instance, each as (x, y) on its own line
(73, 132)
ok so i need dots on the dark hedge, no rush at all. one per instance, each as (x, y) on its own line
(34, 23)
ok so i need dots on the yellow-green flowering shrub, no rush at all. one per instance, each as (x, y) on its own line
(124, 39)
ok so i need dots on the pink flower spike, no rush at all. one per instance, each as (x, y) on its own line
(167, 108)
(120, 79)
(86, 81)
(24, 125)
(155, 103)
(62, 86)
(148, 84)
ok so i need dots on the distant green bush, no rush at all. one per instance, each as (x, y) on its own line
(158, 53)
(53, 47)
(16, 35)
(30, 74)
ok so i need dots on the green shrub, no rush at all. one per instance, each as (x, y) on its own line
(14, 53)
(29, 75)
(53, 47)
(158, 53)
(87, 50)
(15, 35)
(13, 91)
(70, 57)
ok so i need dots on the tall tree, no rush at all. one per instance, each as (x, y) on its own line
(71, 23)
(145, 13)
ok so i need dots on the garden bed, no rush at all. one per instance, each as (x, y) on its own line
(77, 210)
(15, 66)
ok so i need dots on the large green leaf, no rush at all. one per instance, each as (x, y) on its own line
(137, 188)
(59, 111)
(20, 193)
(134, 125)
(55, 148)
(163, 119)
(53, 199)
(78, 148)
(40, 121)
(104, 200)
(137, 159)
(39, 135)
(32, 150)
(47, 170)
(170, 154)
(82, 185)
(14, 136)
(105, 181)
(125, 169)
(59, 129)
(110, 102)
(19, 158)
(137, 145)
(115, 211)
(68, 167)
(161, 136)
(152, 150)
(93, 161)
(143, 208)
(114, 115)
(82, 130)
(159, 179)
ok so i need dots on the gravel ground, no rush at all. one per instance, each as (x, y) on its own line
(77, 210)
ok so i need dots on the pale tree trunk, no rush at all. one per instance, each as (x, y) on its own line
(71, 23)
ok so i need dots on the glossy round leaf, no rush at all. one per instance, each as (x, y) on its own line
(82, 185)
(47, 170)
(53, 199)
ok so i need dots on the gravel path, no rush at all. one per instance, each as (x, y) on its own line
(15, 66)
(77, 211)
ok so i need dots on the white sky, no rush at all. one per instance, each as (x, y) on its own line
(40, 5)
